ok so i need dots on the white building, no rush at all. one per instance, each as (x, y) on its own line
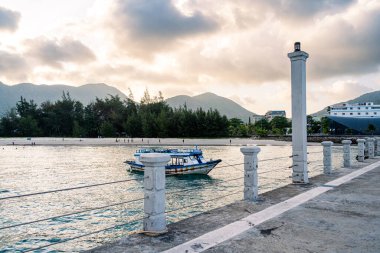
(357, 110)
(271, 114)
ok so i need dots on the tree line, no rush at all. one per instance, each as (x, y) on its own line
(151, 118)
(111, 117)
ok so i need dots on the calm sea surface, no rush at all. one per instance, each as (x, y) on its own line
(28, 169)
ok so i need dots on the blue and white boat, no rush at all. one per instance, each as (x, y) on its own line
(182, 162)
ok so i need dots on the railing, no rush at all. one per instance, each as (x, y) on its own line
(155, 209)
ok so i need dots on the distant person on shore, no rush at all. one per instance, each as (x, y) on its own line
(183, 141)
(230, 141)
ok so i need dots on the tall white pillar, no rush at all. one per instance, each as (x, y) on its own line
(299, 135)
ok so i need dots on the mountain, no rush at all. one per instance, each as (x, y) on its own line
(209, 100)
(368, 97)
(10, 95)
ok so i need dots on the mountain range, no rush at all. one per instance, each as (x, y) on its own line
(209, 100)
(10, 95)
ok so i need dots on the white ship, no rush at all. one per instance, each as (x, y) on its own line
(357, 110)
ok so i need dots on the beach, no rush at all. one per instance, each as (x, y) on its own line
(59, 141)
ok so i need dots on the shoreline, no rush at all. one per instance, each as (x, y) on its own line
(136, 142)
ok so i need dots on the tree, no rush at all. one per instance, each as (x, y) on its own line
(146, 98)
(262, 127)
(279, 125)
(313, 126)
(325, 124)
(371, 128)
(107, 130)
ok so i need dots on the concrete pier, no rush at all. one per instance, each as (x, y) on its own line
(340, 214)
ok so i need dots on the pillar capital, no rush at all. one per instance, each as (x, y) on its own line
(327, 143)
(154, 159)
(250, 150)
(298, 55)
(360, 140)
(345, 142)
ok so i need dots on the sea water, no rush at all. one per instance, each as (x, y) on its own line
(29, 169)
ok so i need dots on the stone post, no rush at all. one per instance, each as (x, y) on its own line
(371, 148)
(346, 153)
(251, 191)
(361, 148)
(154, 192)
(327, 156)
(299, 135)
(377, 146)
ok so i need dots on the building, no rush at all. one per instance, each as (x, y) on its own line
(271, 114)
(357, 110)
(256, 118)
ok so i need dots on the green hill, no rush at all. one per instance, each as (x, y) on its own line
(209, 100)
(10, 94)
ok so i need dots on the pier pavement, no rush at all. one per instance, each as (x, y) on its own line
(334, 213)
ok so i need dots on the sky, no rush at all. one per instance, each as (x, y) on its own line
(236, 49)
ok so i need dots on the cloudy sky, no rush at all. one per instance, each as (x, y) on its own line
(237, 49)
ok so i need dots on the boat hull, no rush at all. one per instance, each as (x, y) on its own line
(203, 168)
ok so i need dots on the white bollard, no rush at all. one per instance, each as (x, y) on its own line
(361, 148)
(327, 156)
(154, 192)
(371, 148)
(377, 146)
(346, 153)
(251, 191)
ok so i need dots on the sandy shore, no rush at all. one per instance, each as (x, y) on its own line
(141, 142)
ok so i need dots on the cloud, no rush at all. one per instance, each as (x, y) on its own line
(9, 19)
(143, 27)
(12, 66)
(56, 52)
(302, 11)
(346, 45)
